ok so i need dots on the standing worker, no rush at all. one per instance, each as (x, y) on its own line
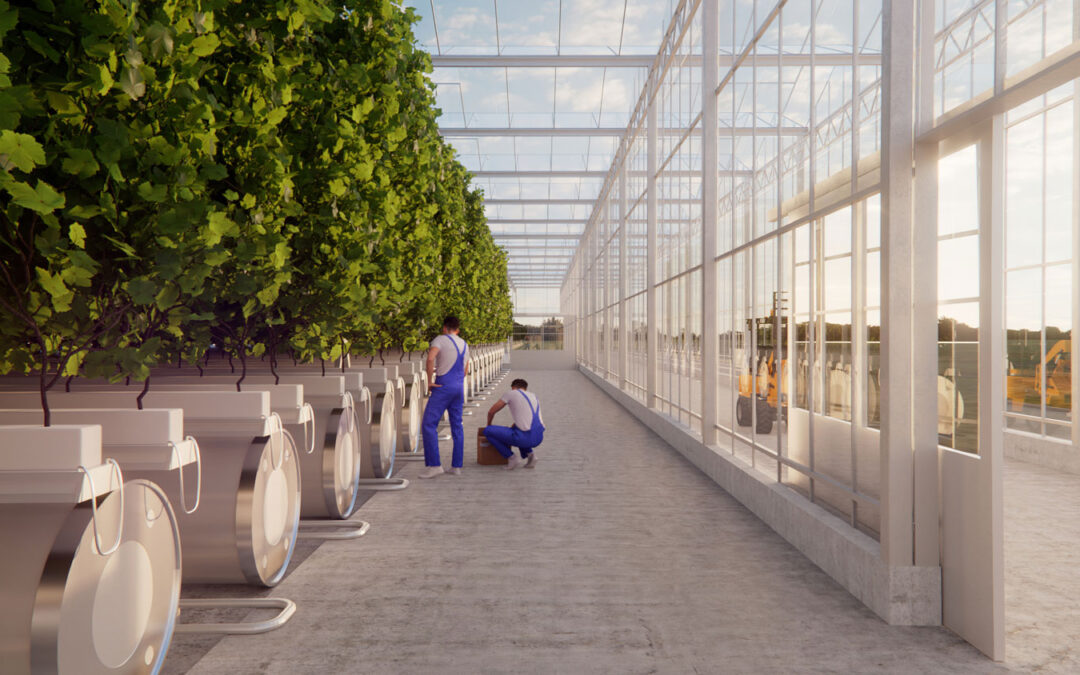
(448, 357)
(528, 429)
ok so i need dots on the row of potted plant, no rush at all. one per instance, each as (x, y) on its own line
(260, 177)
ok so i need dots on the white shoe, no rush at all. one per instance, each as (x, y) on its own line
(431, 472)
(512, 463)
(453, 471)
(530, 463)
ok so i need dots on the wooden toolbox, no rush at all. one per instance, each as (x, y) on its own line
(485, 454)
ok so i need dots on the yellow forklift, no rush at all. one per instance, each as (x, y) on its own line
(770, 397)
(1027, 389)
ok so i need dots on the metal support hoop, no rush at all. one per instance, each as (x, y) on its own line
(348, 529)
(365, 397)
(277, 430)
(309, 435)
(287, 607)
(198, 475)
(410, 457)
(93, 508)
(350, 405)
(383, 484)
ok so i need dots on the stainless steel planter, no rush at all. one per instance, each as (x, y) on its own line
(411, 412)
(245, 528)
(382, 432)
(69, 609)
(331, 472)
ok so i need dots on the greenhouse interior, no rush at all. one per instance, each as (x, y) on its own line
(778, 295)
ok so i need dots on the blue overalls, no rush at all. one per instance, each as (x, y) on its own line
(501, 438)
(449, 396)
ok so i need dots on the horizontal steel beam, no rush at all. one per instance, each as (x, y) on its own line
(525, 175)
(533, 251)
(475, 132)
(574, 237)
(537, 221)
(543, 61)
(471, 132)
(640, 61)
(539, 202)
(538, 175)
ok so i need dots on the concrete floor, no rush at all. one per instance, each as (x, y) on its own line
(613, 556)
(1042, 568)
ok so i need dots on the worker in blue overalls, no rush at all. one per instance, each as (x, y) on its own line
(528, 429)
(447, 366)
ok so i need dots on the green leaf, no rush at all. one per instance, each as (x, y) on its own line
(167, 297)
(20, 151)
(42, 198)
(8, 19)
(80, 162)
(103, 81)
(77, 235)
(41, 46)
(205, 45)
(153, 193)
(84, 212)
(280, 255)
(142, 291)
(54, 285)
(276, 116)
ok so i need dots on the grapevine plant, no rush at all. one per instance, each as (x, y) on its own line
(266, 175)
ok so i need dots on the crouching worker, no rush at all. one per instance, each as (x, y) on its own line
(528, 429)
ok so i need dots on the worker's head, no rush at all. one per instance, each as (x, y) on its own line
(451, 324)
(519, 384)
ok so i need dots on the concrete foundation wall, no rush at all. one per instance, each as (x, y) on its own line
(900, 595)
(542, 359)
(1057, 455)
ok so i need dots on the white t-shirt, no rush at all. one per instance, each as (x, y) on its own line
(519, 408)
(447, 355)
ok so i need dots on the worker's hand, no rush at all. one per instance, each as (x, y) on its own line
(434, 386)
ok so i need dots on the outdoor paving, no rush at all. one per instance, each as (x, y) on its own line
(613, 556)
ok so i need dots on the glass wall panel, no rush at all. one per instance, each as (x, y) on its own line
(1040, 226)
(958, 307)
(797, 299)
(872, 322)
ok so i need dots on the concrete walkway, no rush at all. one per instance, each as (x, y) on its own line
(1042, 568)
(613, 556)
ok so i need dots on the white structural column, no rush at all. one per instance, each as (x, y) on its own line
(651, 319)
(624, 319)
(608, 295)
(710, 80)
(1076, 249)
(897, 469)
(991, 361)
(924, 356)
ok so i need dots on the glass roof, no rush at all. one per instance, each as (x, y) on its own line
(535, 96)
